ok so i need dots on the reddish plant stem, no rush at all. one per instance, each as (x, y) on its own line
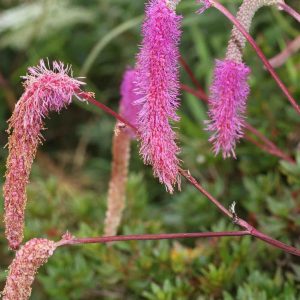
(147, 237)
(194, 92)
(200, 188)
(290, 11)
(275, 243)
(242, 223)
(268, 150)
(193, 77)
(260, 54)
(88, 97)
(257, 133)
(267, 145)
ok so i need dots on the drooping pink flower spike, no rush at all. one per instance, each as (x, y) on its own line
(158, 86)
(22, 270)
(230, 90)
(45, 90)
(227, 105)
(239, 34)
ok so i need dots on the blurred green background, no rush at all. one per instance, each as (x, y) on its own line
(69, 179)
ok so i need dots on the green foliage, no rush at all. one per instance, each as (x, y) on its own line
(69, 180)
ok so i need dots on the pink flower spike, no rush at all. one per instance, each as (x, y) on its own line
(45, 90)
(22, 270)
(227, 105)
(128, 109)
(158, 85)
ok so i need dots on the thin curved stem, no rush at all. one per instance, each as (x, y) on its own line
(200, 188)
(192, 76)
(194, 92)
(147, 237)
(290, 11)
(269, 146)
(260, 54)
(90, 99)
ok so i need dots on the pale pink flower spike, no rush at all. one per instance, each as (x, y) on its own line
(22, 270)
(45, 90)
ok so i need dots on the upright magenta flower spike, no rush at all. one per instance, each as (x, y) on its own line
(227, 102)
(45, 90)
(22, 270)
(158, 85)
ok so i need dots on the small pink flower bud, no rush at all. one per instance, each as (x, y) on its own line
(23, 268)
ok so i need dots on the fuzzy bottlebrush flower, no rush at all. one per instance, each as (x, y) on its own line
(45, 90)
(121, 155)
(229, 91)
(22, 270)
(227, 102)
(157, 83)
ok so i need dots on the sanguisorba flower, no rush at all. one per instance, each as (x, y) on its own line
(121, 155)
(22, 270)
(158, 85)
(45, 90)
(227, 105)
(230, 89)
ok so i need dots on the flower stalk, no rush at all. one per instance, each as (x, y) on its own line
(245, 15)
(117, 184)
(289, 10)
